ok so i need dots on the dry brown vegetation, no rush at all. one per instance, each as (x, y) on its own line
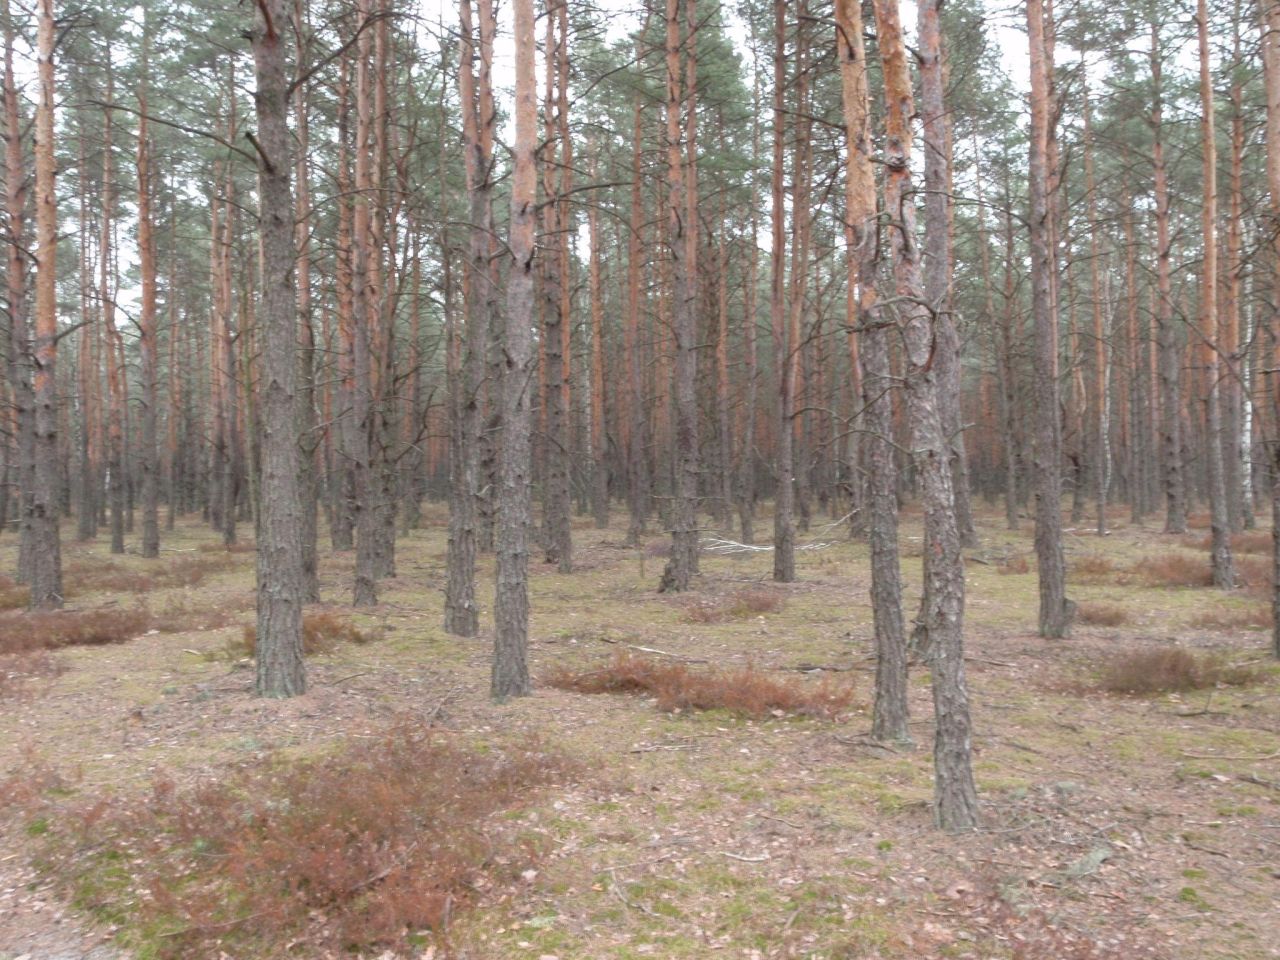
(382, 840)
(18, 671)
(321, 632)
(739, 605)
(745, 692)
(1173, 670)
(240, 546)
(13, 596)
(25, 632)
(1102, 614)
(1174, 570)
(1254, 617)
(1092, 568)
(1247, 541)
(1014, 565)
(91, 574)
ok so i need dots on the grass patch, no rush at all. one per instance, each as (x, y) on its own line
(371, 847)
(744, 692)
(1173, 670)
(1102, 614)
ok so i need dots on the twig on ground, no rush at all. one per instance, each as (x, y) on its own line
(1229, 756)
(745, 859)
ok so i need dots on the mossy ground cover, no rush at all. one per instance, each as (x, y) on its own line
(709, 834)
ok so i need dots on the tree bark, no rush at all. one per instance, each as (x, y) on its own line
(1220, 528)
(937, 252)
(955, 795)
(889, 718)
(784, 351)
(681, 240)
(280, 668)
(147, 339)
(42, 515)
(1170, 385)
(1271, 63)
(1056, 611)
(510, 674)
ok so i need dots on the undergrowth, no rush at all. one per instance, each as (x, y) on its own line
(1102, 614)
(1173, 670)
(1255, 617)
(1174, 570)
(27, 632)
(746, 691)
(321, 633)
(739, 605)
(374, 846)
(19, 671)
(90, 574)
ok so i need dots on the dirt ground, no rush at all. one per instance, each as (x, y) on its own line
(1113, 826)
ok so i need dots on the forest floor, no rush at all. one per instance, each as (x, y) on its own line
(1112, 825)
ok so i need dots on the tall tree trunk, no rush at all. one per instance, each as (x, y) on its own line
(1219, 523)
(937, 253)
(461, 615)
(510, 674)
(148, 345)
(557, 538)
(786, 353)
(21, 354)
(1170, 385)
(599, 437)
(638, 447)
(1271, 63)
(116, 398)
(955, 795)
(308, 435)
(889, 718)
(42, 518)
(281, 671)
(682, 225)
(365, 321)
(1056, 611)
(1101, 414)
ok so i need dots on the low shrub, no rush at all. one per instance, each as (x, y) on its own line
(1247, 541)
(1172, 670)
(1092, 568)
(739, 605)
(746, 692)
(13, 596)
(366, 849)
(1102, 614)
(90, 574)
(1014, 566)
(321, 632)
(1174, 570)
(30, 631)
(1254, 617)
